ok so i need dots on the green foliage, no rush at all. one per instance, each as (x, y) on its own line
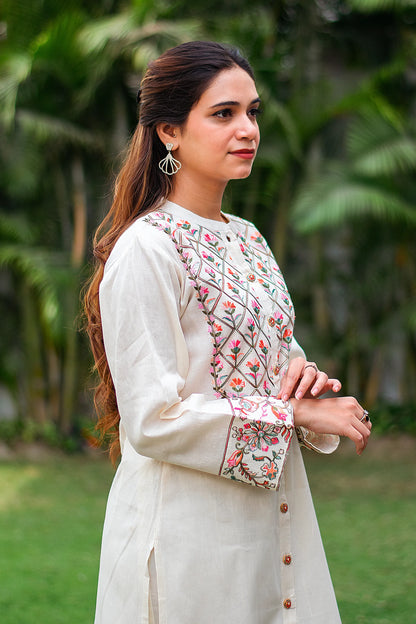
(336, 163)
(381, 5)
(366, 182)
(394, 419)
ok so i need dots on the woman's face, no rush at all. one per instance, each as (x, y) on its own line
(220, 139)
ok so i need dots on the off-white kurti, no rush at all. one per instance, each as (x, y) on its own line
(211, 495)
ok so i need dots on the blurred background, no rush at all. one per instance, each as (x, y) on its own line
(333, 190)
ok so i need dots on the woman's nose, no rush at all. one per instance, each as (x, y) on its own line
(247, 128)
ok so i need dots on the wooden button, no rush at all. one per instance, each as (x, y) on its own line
(251, 277)
(271, 321)
(287, 603)
(284, 508)
(287, 559)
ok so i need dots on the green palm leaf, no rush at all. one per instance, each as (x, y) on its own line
(16, 228)
(47, 273)
(338, 197)
(123, 31)
(14, 69)
(377, 148)
(47, 128)
(367, 6)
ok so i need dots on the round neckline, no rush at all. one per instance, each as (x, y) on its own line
(193, 216)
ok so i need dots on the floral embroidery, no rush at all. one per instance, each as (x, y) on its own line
(252, 440)
(250, 320)
(237, 385)
(226, 304)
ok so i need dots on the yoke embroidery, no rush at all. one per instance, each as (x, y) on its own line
(250, 319)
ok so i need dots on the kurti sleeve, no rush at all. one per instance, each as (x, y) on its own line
(141, 300)
(320, 442)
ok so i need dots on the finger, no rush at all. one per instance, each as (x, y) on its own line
(334, 384)
(357, 437)
(315, 381)
(306, 377)
(363, 435)
(291, 378)
(320, 383)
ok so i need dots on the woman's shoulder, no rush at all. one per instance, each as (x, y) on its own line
(142, 240)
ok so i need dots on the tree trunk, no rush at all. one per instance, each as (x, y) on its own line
(33, 404)
(70, 364)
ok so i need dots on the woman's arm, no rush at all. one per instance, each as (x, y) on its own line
(340, 415)
(320, 423)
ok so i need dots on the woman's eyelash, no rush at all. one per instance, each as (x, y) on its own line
(227, 112)
(224, 112)
(256, 111)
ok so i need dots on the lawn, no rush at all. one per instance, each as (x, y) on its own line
(366, 508)
(51, 513)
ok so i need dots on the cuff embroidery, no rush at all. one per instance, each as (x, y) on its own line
(258, 438)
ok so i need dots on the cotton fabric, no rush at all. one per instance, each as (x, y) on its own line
(209, 517)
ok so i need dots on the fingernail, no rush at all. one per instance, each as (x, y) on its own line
(298, 395)
(314, 391)
(285, 397)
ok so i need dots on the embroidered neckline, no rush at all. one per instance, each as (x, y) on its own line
(232, 301)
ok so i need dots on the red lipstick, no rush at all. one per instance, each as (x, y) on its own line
(247, 154)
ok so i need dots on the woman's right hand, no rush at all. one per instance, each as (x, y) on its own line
(339, 416)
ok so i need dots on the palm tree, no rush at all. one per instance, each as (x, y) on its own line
(367, 200)
(66, 114)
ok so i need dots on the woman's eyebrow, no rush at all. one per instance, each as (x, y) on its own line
(234, 103)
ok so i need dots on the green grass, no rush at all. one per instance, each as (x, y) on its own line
(366, 508)
(51, 514)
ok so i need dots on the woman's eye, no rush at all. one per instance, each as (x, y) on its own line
(255, 112)
(225, 112)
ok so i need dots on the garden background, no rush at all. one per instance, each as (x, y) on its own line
(334, 191)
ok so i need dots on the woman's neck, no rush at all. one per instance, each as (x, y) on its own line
(205, 201)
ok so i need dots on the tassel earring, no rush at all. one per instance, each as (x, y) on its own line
(169, 164)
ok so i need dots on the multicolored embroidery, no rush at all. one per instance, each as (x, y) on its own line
(244, 337)
(250, 345)
(258, 439)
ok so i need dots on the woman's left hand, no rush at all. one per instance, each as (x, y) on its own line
(303, 380)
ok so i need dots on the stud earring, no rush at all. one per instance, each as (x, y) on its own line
(169, 164)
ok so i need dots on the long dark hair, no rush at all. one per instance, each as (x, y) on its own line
(171, 86)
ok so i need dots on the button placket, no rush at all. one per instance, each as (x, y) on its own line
(286, 561)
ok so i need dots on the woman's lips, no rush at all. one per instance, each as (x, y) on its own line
(244, 153)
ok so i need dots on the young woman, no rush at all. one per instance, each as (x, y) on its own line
(209, 518)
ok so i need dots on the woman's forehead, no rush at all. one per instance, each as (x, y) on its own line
(232, 85)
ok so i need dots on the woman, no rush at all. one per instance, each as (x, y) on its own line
(209, 518)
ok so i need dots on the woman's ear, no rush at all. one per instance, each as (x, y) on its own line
(167, 133)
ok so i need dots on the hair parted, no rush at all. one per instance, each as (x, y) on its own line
(171, 86)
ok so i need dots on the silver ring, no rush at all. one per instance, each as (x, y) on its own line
(311, 366)
(365, 417)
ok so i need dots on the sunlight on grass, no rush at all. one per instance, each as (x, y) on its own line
(13, 483)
